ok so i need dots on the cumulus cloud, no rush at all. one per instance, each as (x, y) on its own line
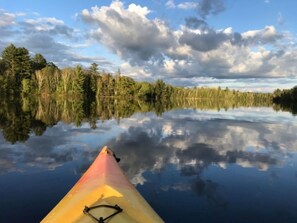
(149, 48)
(129, 33)
(202, 38)
(191, 51)
(204, 41)
(260, 37)
(228, 54)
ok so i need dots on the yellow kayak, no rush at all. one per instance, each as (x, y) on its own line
(103, 194)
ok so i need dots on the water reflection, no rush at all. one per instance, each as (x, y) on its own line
(208, 142)
(212, 162)
(20, 118)
(147, 141)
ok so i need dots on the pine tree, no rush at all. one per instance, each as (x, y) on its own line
(38, 62)
(78, 81)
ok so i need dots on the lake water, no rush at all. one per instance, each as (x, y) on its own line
(198, 166)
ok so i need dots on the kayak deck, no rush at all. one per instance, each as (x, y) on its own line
(103, 185)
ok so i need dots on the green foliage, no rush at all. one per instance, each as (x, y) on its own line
(26, 86)
(49, 95)
(9, 59)
(65, 83)
(125, 87)
(145, 90)
(17, 62)
(2, 67)
(286, 99)
(287, 95)
(51, 64)
(220, 94)
(90, 83)
(47, 80)
(38, 62)
(19, 118)
(94, 69)
(15, 122)
(16, 65)
(159, 89)
(78, 81)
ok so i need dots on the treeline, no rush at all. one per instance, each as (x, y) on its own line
(230, 96)
(286, 95)
(286, 99)
(22, 75)
(25, 116)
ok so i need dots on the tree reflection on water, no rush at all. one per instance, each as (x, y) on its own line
(20, 118)
(199, 160)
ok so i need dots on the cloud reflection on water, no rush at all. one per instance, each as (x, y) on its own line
(184, 153)
(192, 142)
(146, 142)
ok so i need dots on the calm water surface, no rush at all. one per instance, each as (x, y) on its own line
(192, 166)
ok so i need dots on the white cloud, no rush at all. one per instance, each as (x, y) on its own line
(263, 36)
(136, 72)
(151, 49)
(50, 36)
(45, 20)
(147, 48)
(141, 11)
(129, 33)
(185, 5)
(170, 4)
(50, 25)
(6, 18)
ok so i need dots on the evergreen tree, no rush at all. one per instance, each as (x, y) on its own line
(78, 81)
(94, 69)
(38, 62)
(18, 67)
(2, 67)
(160, 88)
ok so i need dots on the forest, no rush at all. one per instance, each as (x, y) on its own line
(36, 94)
(21, 75)
(286, 99)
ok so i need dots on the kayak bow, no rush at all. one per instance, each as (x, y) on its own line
(103, 194)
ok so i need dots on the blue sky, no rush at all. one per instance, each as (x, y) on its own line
(246, 45)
